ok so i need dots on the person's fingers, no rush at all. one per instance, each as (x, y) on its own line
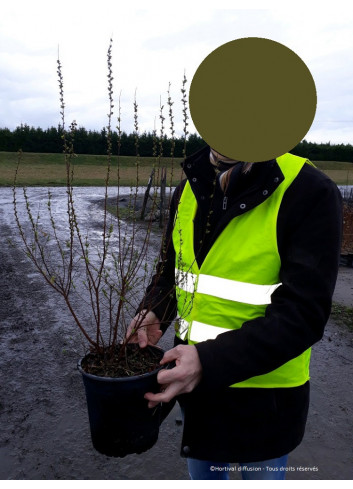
(142, 337)
(166, 376)
(154, 336)
(182, 378)
(148, 336)
(133, 339)
(167, 393)
(170, 355)
(131, 331)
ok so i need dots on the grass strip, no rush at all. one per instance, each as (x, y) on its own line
(343, 315)
(48, 169)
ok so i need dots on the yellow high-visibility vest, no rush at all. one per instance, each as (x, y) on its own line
(237, 277)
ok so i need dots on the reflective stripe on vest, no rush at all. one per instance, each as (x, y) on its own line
(199, 331)
(237, 277)
(224, 288)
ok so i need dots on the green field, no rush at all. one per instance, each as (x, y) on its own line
(43, 169)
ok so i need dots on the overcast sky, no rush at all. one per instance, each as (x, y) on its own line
(154, 45)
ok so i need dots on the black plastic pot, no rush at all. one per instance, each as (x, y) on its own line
(121, 422)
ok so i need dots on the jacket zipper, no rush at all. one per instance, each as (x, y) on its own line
(225, 200)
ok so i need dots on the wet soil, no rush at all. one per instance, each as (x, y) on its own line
(123, 361)
(347, 238)
(44, 431)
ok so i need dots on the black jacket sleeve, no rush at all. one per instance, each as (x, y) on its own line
(160, 294)
(309, 231)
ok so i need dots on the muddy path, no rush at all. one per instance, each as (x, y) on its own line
(44, 432)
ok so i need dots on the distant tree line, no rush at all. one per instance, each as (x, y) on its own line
(38, 140)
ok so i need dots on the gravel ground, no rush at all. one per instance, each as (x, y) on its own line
(44, 424)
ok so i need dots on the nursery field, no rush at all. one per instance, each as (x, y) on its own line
(48, 169)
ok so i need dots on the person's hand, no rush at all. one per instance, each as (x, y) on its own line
(144, 329)
(181, 379)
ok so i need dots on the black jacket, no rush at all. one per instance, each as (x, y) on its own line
(247, 424)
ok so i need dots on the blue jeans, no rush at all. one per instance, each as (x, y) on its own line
(274, 469)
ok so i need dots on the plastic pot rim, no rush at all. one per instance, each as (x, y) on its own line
(119, 379)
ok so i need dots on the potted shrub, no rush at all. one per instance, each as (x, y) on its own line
(107, 277)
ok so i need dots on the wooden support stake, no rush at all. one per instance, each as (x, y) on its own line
(147, 194)
(162, 201)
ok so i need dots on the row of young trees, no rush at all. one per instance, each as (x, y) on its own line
(38, 140)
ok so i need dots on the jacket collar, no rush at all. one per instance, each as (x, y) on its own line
(252, 189)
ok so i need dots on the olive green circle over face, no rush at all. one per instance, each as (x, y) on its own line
(252, 99)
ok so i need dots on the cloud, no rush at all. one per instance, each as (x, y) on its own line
(153, 46)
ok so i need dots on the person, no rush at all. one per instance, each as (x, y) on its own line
(251, 254)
